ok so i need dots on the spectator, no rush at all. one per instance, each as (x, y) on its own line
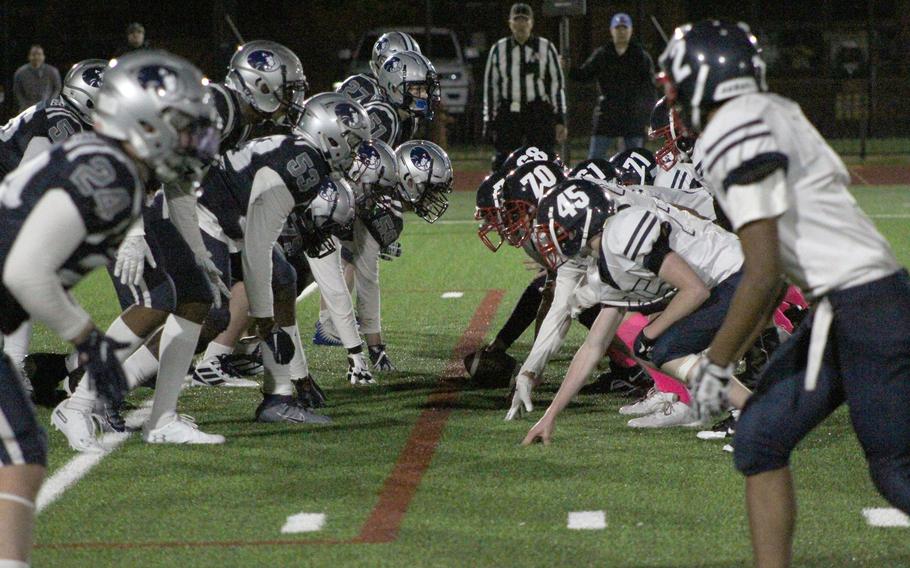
(135, 38)
(524, 98)
(35, 81)
(625, 74)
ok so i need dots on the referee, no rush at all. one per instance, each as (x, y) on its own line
(524, 101)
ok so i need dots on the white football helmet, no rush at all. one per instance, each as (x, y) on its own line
(329, 212)
(81, 84)
(270, 77)
(410, 82)
(389, 44)
(336, 125)
(425, 174)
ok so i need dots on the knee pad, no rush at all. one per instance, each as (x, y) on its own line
(891, 476)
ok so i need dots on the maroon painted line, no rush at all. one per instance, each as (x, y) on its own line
(385, 520)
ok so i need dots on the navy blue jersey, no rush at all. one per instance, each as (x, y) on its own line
(104, 185)
(387, 125)
(227, 187)
(235, 130)
(52, 120)
(362, 87)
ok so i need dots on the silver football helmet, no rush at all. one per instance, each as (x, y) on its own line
(425, 174)
(157, 102)
(329, 212)
(336, 125)
(270, 77)
(81, 84)
(389, 44)
(410, 82)
(375, 171)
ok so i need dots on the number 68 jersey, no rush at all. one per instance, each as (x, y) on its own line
(635, 242)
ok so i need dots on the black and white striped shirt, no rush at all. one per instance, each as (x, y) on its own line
(518, 74)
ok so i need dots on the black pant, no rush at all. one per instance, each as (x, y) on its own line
(534, 125)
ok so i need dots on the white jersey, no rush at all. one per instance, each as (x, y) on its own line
(681, 186)
(637, 239)
(826, 242)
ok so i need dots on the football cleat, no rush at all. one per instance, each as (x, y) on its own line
(358, 372)
(109, 417)
(490, 368)
(309, 394)
(218, 371)
(181, 429)
(324, 337)
(284, 408)
(669, 415)
(651, 402)
(79, 427)
(722, 428)
(380, 359)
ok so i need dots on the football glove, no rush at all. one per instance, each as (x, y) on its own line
(643, 346)
(380, 359)
(390, 252)
(132, 255)
(281, 344)
(97, 354)
(213, 279)
(308, 392)
(710, 388)
(521, 398)
(358, 371)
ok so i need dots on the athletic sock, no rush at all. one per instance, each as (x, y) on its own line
(298, 367)
(277, 379)
(140, 367)
(15, 345)
(178, 344)
(119, 331)
(84, 396)
(214, 349)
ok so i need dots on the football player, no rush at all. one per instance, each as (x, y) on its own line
(644, 255)
(409, 91)
(364, 87)
(785, 192)
(34, 131)
(152, 121)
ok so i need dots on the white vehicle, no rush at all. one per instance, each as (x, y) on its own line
(443, 50)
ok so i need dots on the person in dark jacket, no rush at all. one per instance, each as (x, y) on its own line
(624, 72)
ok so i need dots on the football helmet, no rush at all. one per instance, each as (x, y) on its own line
(425, 177)
(158, 103)
(528, 154)
(488, 209)
(521, 192)
(329, 212)
(336, 125)
(410, 82)
(375, 170)
(389, 44)
(707, 63)
(269, 77)
(596, 168)
(636, 166)
(678, 141)
(80, 87)
(567, 217)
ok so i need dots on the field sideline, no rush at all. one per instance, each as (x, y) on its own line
(423, 471)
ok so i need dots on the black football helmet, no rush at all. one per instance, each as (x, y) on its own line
(678, 141)
(527, 154)
(637, 166)
(567, 217)
(707, 63)
(488, 209)
(522, 190)
(595, 168)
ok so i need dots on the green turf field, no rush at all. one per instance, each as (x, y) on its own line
(670, 499)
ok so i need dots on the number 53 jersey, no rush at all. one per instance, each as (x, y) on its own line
(635, 242)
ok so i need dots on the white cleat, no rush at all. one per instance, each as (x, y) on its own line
(651, 402)
(218, 371)
(181, 429)
(670, 415)
(79, 427)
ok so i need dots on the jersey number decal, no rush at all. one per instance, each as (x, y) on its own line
(540, 179)
(532, 154)
(637, 163)
(304, 171)
(591, 170)
(678, 68)
(97, 173)
(569, 201)
(61, 131)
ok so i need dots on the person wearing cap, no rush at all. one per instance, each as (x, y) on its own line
(624, 72)
(135, 38)
(524, 100)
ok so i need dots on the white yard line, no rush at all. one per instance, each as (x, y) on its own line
(79, 466)
(886, 517)
(587, 520)
(456, 222)
(452, 295)
(891, 216)
(303, 522)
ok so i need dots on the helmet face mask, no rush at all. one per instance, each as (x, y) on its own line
(410, 83)
(523, 188)
(567, 218)
(425, 178)
(488, 210)
(327, 214)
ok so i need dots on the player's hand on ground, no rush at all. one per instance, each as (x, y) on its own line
(710, 388)
(521, 398)
(540, 432)
(132, 255)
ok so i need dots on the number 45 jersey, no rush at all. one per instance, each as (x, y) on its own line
(99, 180)
(281, 159)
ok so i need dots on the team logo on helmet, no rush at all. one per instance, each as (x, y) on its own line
(421, 159)
(381, 45)
(348, 115)
(370, 156)
(93, 76)
(328, 192)
(392, 64)
(262, 60)
(158, 78)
